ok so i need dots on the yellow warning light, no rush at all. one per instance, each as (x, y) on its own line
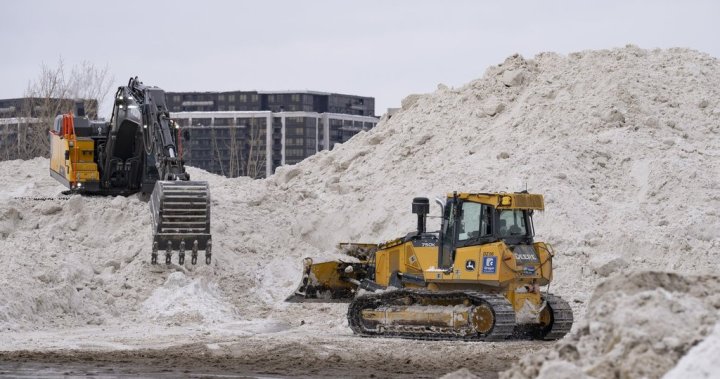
(506, 200)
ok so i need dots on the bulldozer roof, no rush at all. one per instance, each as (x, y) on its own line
(503, 200)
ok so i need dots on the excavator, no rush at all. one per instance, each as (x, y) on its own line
(136, 151)
(478, 278)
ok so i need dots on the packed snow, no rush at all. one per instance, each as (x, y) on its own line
(623, 143)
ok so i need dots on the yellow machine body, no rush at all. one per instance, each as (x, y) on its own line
(72, 158)
(507, 276)
(483, 265)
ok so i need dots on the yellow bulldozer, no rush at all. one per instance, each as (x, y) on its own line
(478, 278)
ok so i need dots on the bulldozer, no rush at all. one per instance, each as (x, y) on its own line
(478, 278)
(136, 151)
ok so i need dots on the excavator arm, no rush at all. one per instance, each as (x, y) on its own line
(180, 208)
(158, 131)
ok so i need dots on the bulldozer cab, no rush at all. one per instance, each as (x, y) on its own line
(478, 219)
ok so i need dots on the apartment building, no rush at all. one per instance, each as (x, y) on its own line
(227, 132)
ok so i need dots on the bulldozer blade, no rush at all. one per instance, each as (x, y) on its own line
(181, 219)
(325, 282)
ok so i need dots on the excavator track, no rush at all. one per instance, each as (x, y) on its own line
(494, 307)
(562, 319)
(181, 220)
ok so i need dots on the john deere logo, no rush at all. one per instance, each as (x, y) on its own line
(470, 265)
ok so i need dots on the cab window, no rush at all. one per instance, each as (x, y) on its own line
(512, 223)
(475, 221)
(57, 125)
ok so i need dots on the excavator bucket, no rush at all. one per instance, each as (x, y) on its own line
(181, 220)
(326, 282)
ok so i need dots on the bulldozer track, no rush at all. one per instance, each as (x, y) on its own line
(562, 318)
(502, 311)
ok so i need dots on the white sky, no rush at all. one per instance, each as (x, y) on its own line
(380, 48)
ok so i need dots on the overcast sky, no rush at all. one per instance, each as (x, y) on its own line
(380, 48)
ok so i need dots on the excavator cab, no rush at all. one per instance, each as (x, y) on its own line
(72, 151)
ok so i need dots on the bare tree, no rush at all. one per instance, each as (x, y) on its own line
(92, 84)
(54, 92)
(216, 148)
(253, 159)
(234, 150)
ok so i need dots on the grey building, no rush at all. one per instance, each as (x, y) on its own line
(26, 107)
(25, 122)
(278, 101)
(227, 132)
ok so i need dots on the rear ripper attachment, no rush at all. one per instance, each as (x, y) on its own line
(181, 220)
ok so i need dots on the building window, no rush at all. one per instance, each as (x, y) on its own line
(221, 97)
(176, 98)
(295, 142)
(254, 98)
(231, 97)
(243, 98)
(295, 98)
(297, 153)
(295, 131)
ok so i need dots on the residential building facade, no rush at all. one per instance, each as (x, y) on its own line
(227, 132)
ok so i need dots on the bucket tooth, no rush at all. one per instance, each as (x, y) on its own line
(154, 256)
(194, 255)
(181, 253)
(168, 253)
(208, 253)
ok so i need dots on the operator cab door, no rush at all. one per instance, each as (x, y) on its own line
(446, 253)
(465, 223)
(59, 150)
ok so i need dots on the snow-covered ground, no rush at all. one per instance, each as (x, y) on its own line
(623, 143)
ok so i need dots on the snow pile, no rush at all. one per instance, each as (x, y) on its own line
(701, 360)
(636, 326)
(623, 143)
(463, 373)
(181, 300)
